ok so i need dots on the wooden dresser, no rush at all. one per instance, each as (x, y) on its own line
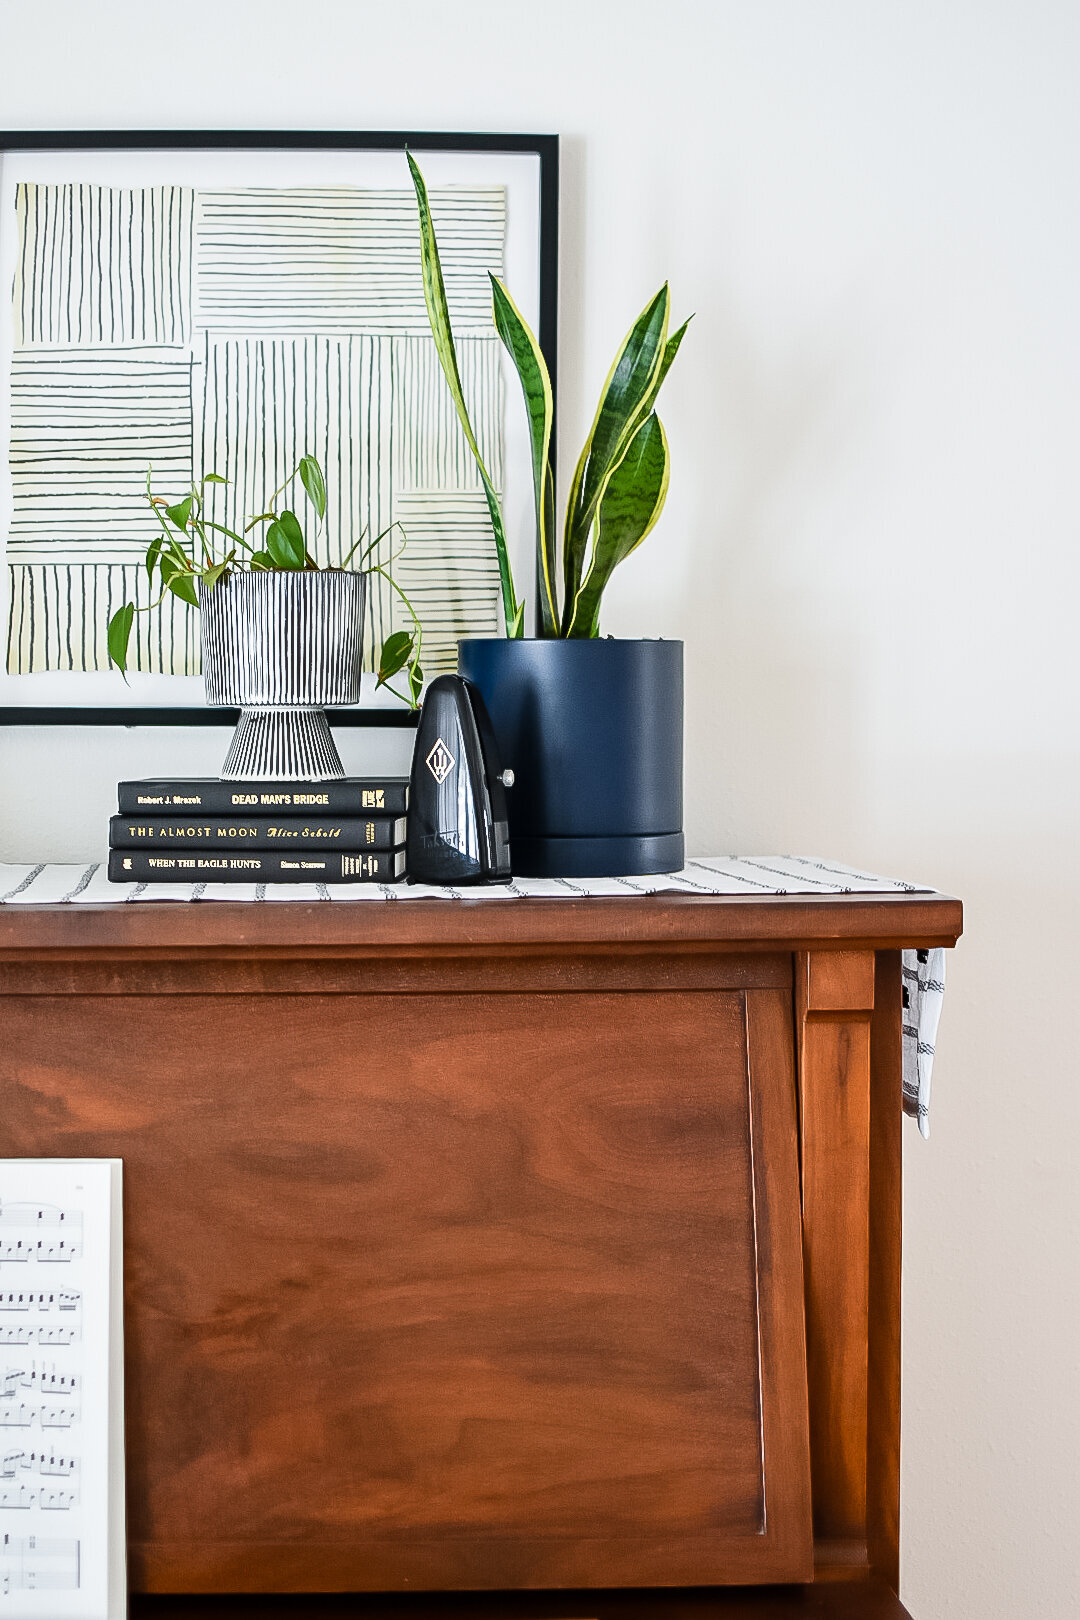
(537, 1248)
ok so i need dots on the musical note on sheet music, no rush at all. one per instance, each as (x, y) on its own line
(35, 1480)
(39, 1481)
(61, 1338)
(44, 1479)
(25, 1415)
(48, 1379)
(38, 1564)
(41, 1232)
(49, 1464)
(21, 1310)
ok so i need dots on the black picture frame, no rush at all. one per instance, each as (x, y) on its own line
(544, 147)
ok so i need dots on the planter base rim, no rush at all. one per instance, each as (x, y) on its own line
(282, 745)
(636, 856)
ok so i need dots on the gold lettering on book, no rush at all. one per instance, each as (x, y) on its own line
(304, 831)
(359, 865)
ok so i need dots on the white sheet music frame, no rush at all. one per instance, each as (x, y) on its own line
(62, 1517)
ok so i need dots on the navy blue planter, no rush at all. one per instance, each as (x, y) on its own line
(593, 731)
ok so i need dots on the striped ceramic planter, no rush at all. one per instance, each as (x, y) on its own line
(280, 646)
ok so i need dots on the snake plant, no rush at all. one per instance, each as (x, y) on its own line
(620, 483)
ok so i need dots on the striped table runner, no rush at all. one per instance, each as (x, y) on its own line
(923, 971)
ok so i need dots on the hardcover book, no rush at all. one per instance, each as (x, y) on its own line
(204, 866)
(234, 834)
(349, 796)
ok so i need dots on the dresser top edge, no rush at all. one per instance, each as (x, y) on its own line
(655, 922)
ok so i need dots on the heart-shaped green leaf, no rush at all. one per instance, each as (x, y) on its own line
(214, 478)
(183, 586)
(178, 579)
(285, 542)
(153, 551)
(212, 575)
(119, 636)
(178, 515)
(260, 561)
(396, 650)
(311, 477)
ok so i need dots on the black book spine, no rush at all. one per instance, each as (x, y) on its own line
(236, 833)
(238, 866)
(352, 796)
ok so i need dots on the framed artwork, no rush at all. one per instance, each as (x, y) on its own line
(193, 303)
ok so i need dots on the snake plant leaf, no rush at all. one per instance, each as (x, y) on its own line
(179, 514)
(439, 320)
(311, 476)
(285, 542)
(396, 650)
(671, 349)
(629, 385)
(632, 502)
(120, 635)
(523, 349)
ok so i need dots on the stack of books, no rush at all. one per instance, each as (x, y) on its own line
(347, 831)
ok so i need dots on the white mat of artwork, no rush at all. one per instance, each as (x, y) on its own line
(803, 875)
(62, 1394)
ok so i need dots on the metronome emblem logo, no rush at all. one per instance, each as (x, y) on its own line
(440, 762)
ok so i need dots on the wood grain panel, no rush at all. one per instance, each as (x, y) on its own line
(834, 1077)
(838, 981)
(883, 1345)
(98, 974)
(427, 928)
(438, 1291)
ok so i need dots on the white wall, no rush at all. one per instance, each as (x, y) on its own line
(871, 546)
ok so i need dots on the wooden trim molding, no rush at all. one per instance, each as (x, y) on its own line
(678, 923)
(834, 1000)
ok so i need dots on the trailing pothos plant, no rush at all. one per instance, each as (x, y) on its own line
(620, 483)
(187, 552)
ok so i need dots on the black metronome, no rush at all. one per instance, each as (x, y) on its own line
(457, 830)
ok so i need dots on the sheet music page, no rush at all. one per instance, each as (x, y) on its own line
(59, 1241)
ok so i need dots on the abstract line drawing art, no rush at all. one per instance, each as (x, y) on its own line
(195, 327)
